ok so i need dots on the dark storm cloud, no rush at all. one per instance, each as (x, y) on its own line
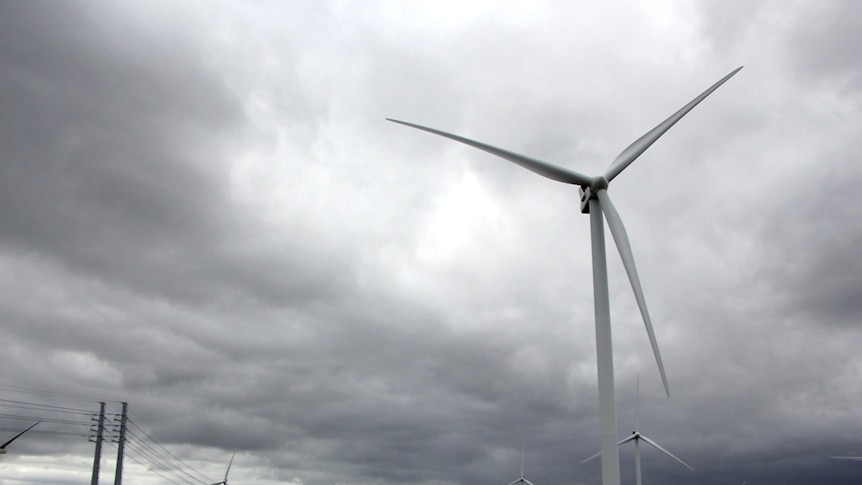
(116, 139)
(101, 138)
(205, 214)
(814, 268)
(808, 227)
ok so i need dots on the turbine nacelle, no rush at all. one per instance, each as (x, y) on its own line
(589, 192)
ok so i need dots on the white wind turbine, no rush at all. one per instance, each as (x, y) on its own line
(224, 482)
(595, 200)
(637, 437)
(522, 479)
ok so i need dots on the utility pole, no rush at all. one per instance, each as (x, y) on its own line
(100, 429)
(121, 441)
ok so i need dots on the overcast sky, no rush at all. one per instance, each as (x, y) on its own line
(204, 213)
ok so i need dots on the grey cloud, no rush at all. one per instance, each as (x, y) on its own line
(205, 214)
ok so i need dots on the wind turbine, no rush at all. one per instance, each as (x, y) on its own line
(637, 437)
(224, 482)
(4, 445)
(851, 458)
(522, 479)
(595, 201)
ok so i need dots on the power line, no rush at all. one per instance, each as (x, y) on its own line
(63, 416)
(40, 418)
(131, 457)
(44, 431)
(145, 450)
(156, 463)
(45, 407)
(166, 451)
(47, 393)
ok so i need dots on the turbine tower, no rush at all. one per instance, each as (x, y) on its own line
(637, 437)
(4, 445)
(595, 201)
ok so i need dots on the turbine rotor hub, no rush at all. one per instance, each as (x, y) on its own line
(598, 183)
(589, 192)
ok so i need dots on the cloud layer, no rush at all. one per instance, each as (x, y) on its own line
(204, 213)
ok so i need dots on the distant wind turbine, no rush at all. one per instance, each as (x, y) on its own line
(595, 201)
(224, 482)
(637, 437)
(522, 479)
(3, 447)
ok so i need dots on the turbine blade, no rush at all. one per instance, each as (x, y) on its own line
(640, 145)
(854, 458)
(618, 231)
(544, 169)
(522, 460)
(656, 445)
(228, 466)
(637, 400)
(592, 457)
(619, 443)
(3, 446)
